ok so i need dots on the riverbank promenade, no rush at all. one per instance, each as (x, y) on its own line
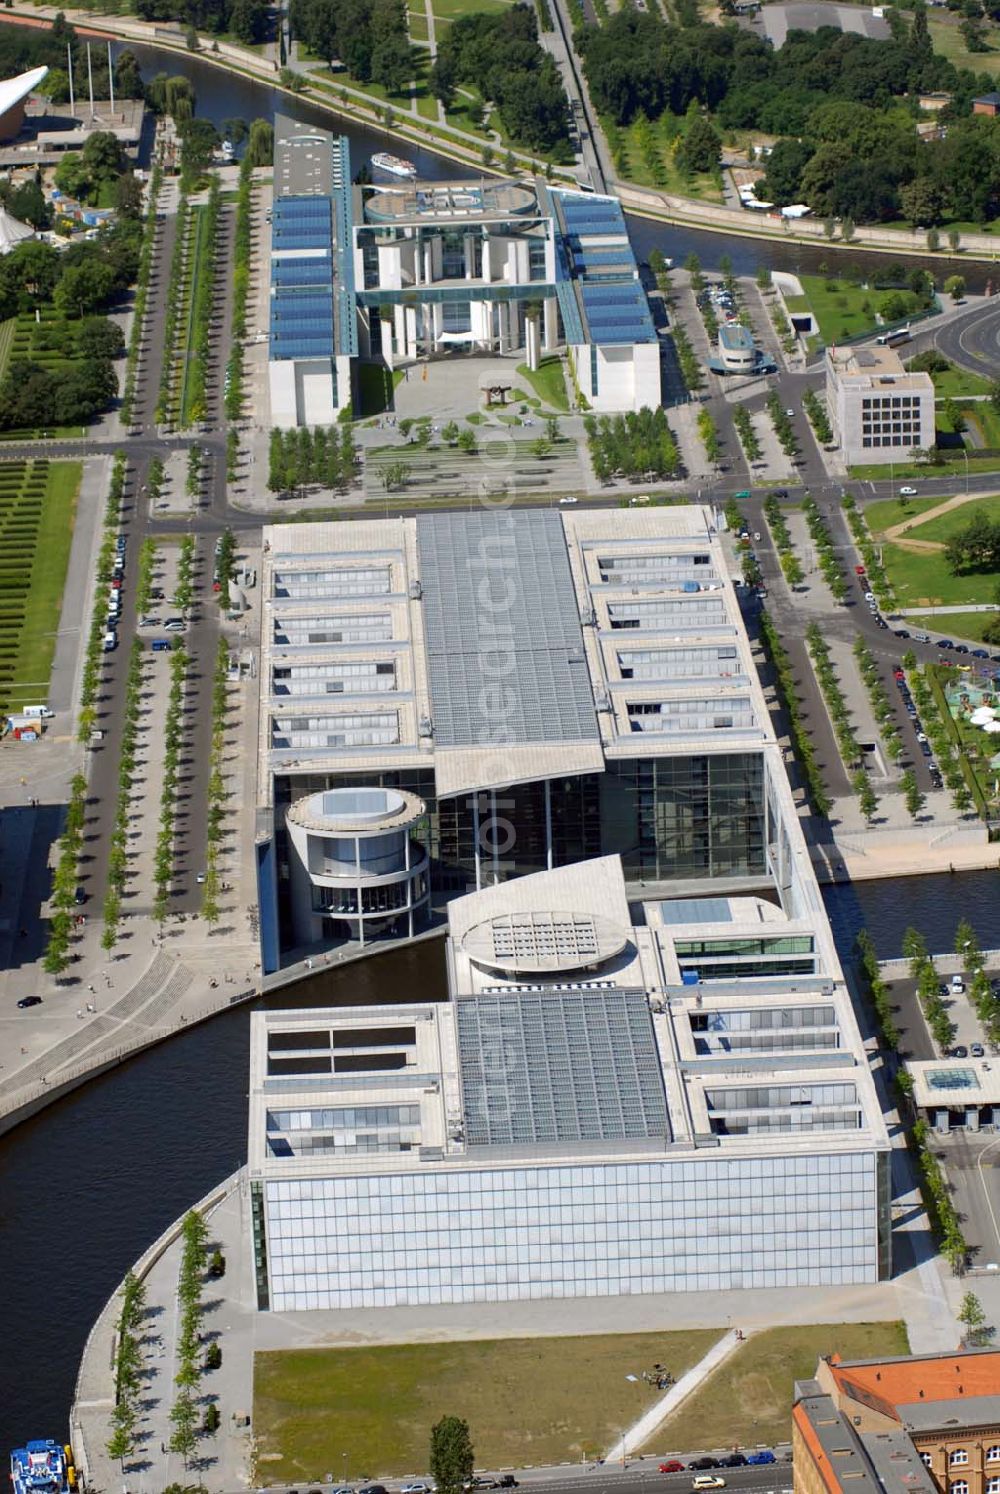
(345, 101)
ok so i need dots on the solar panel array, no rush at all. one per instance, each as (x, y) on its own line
(571, 1065)
(618, 313)
(496, 593)
(302, 323)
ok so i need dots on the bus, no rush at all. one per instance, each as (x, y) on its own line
(890, 339)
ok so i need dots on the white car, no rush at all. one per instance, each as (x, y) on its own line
(174, 625)
(564, 501)
(110, 642)
(957, 985)
(907, 492)
(417, 1488)
(708, 1481)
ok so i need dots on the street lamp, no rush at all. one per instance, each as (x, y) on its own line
(965, 453)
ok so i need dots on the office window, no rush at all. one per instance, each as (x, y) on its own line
(958, 1458)
(993, 1453)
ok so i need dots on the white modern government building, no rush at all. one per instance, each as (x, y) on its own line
(428, 269)
(642, 1071)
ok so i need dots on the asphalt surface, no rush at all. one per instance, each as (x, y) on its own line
(972, 1161)
(973, 341)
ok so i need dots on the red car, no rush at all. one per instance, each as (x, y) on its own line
(672, 1467)
(859, 570)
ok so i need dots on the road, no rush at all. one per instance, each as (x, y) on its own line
(639, 1477)
(973, 342)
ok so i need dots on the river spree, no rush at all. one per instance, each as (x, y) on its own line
(222, 95)
(88, 1184)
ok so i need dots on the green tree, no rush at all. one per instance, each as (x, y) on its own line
(700, 147)
(954, 287)
(260, 144)
(973, 1318)
(451, 1459)
(913, 798)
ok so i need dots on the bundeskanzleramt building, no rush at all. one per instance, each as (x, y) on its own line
(880, 411)
(926, 1423)
(427, 269)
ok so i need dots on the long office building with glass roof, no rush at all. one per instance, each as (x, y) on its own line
(525, 689)
(605, 1098)
(419, 270)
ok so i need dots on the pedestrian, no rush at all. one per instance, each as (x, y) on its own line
(90, 988)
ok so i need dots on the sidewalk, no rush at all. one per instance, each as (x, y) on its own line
(637, 1436)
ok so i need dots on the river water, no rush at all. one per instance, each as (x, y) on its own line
(88, 1184)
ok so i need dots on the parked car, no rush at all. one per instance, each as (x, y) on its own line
(765, 1455)
(110, 641)
(977, 1050)
(704, 1462)
(960, 1051)
(961, 648)
(418, 1488)
(945, 643)
(373, 1489)
(957, 985)
(901, 633)
(30, 1001)
(735, 1460)
(980, 653)
(672, 1467)
(174, 625)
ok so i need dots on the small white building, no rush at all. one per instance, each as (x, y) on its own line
(737, 349)
(880, 411)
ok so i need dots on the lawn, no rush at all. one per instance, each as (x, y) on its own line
(548, 382)
(922, 577)
(527, 1400)
(958, 382)
(946, 40)
(981, 417)
(941, 529)
(749, 1399)
(37, 513)
(376, 383)
(886, 515)
(416, 22)
(842, 309)
(450, 10)
(953, 468)
(966, 626)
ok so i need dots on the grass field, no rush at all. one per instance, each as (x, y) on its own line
(958, 382)
(37, 513)
(922, 577)
(946, 40)
(538, 1400)
(645, 156)
(749, 1399)
(886, 515)
(981, 417)
(842, 309)
(965, 626)
(548, 381)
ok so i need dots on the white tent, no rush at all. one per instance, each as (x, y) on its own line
(12, 232)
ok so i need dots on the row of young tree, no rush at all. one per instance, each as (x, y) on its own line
(218, 794)
(321, 456)
(173, 737)
(191, 1363)
(635, 445)
(94, 656)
